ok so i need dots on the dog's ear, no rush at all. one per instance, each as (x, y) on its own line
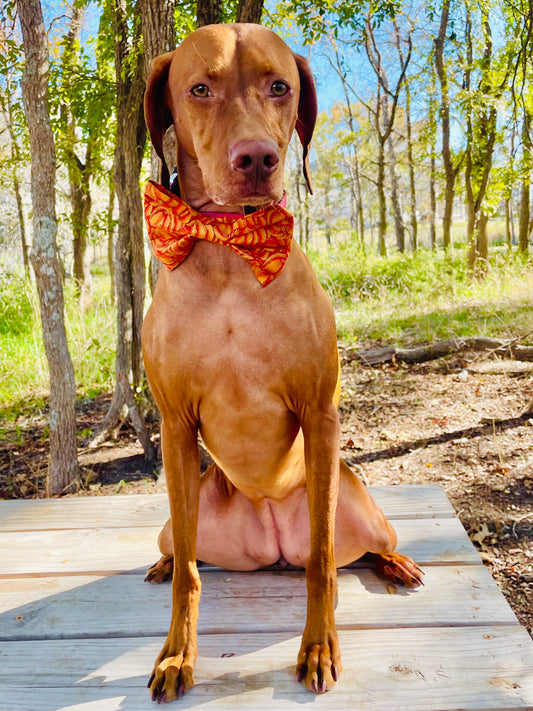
(156, 111)
(307, 111)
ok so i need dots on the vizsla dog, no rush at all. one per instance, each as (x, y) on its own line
(240, 347)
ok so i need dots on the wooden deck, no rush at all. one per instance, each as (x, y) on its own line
(80, 630)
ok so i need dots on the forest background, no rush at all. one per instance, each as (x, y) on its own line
(419, 228)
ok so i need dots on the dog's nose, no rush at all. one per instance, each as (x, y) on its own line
(254, 158)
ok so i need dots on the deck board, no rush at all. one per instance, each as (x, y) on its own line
(109, 550)
(443, 668)
(79, 629)
(41, 608)
(397, 502)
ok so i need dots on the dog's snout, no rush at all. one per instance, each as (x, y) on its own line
(254, 158)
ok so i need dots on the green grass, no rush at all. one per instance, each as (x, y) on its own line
(407, 299)
(401, 300)
(23, 365)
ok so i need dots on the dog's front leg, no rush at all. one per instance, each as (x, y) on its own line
(173, 671)
(319, 662)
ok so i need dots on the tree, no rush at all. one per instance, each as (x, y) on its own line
(158, 28)
(129, 250)
(481, 130)
(384, 116)
(356, 203)
(450, 170)
(44, 256)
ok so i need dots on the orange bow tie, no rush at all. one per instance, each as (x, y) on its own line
(262, 238)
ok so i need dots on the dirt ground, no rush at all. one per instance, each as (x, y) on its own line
(465, 423)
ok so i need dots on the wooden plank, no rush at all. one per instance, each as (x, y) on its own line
(428, 541)
(55, 608)
(398, 502)
(444, 669)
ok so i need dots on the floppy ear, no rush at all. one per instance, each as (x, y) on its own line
(307, 111)
(156, 112)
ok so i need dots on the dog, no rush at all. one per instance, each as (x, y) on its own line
(240, 348)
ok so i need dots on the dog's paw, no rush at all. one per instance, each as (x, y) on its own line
(161, 571)
(318, 667)
(400, 569)
(171, 678)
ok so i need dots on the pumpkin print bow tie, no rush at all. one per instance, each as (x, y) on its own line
(262, 238)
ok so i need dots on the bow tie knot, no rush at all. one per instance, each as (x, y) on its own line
(262, 238)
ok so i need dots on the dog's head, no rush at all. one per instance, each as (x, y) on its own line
(234, 94)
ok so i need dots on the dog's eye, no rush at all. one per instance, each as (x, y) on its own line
(279, 88)
(201, 91)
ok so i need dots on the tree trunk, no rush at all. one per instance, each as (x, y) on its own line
(382, 222)
(508, 232)
(158, 24)
(129, 249)
(432, 203)
(110, 226)
(79, 172)
(524, 218)
(16, 160)
(449, 170)
(481, 129)
(410, 163)
(383, 118)
(208, 12)
(22, 224)
(399, 227)
(357, 216)
(410, 160)
(250, 11)
(64, 467)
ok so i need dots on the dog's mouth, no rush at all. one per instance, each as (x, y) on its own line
(252, 193)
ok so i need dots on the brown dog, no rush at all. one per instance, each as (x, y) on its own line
(252, 368)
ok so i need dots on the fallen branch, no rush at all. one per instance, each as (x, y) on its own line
(439, 349)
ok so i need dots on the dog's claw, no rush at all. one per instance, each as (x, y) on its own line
(150, 680)
(334, 672)
(314, 686)
(324, 687)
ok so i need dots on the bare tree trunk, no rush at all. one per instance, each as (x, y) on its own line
(383, 119)
(382, 222)
(129, 249)
(524, 218)
(410, 162)
(208, 12)
(508, 234)
(480, 149)
(432, 203)
(432, 175)
(7, 109)
(449, 169)
(158, 24)
(399, 227)
(249, 11)
(64, 467)
(357, 215)
(110, 234)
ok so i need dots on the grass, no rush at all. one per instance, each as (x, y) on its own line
(23, 365)
(401, 300)
(422, 297)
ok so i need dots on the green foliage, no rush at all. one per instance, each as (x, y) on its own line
(317, 18)
(17, 306)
